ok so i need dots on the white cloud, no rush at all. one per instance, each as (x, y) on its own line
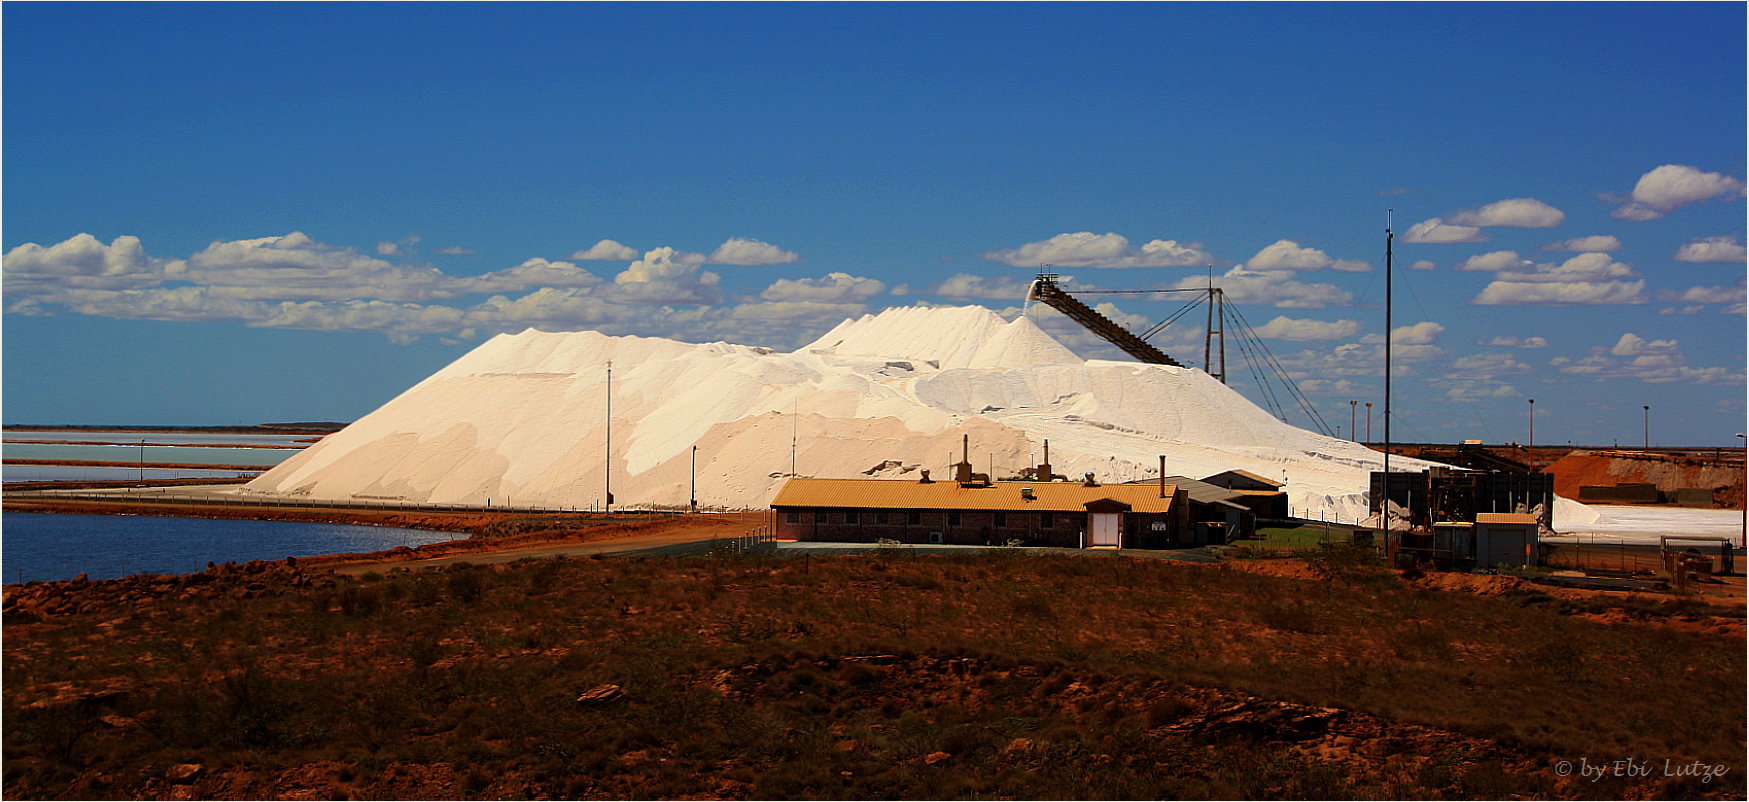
(835, 288)
(388, 249)
(1653, 361)
(297, 268)
(1436, 232)
(533, 273)
(1482, 366)
(1423, 264)
(1673, 186)
(452, 250)
(1424, 333)
(1514, 342)
(1515, 212)
(746, 252)
(82, 262)
(794, 311)
(965, 285)
(1601, 243)
(1278, 288)
(1704, 295)
(1589, 279)
(1692, 309)
(1087, 249)
(1497, 260)
(666, 276)
(1711, 249)
(1288, 255)
(1513, 293)
(1284, 328)
(606, 251)
(1632, 344)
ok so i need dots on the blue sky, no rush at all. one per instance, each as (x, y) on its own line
(221, 213)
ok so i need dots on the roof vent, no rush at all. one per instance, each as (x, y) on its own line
(925, 477)
(1090, 482)
(1026, 494)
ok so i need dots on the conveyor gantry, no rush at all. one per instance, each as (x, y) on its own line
(1045, 290)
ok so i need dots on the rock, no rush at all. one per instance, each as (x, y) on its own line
(600, 695)
(1018, 745)
(936, 757)
(184, 773)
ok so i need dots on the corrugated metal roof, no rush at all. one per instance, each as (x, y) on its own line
(1199, 491)
(1505, 518)
(871, 494)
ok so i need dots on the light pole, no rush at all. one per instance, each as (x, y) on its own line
(1648, 448)
(1369, 423)
(607, 463)
(694, 503)
(142, 460)
(1352, 436)
(1531, 444)
(1743, 539)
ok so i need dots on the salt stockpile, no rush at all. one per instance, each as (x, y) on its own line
(521, 420)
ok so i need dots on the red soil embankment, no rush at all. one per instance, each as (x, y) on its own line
(1669, 474)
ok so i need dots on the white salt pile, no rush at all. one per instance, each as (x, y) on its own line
(523, 420)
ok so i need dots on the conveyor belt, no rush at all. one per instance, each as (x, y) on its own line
(1045, 290)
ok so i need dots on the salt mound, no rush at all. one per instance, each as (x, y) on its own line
(522, 420)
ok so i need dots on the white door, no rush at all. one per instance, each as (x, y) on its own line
(1105, 530)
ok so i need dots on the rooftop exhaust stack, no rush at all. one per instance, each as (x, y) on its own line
(1162, 476)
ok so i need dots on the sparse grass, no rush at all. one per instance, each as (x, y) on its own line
(1038, 676)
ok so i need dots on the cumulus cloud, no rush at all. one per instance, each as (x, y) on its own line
(1087, 249)
(1601, 243)
(1497, 260)
(1515, 212)
(666, 276)
(1437, 232)
(296, 267)
(1278, 288)
(80, 262)
(966, 286)
(747, 252)
(532, 273)
(835, 288)
(1481, 366)
(1705, 295)
(1673, 186)
(452, 250)
(606, 251)
(1285, 328)
(1654, 361)
(1424, 333)
(1711, 249)
(1514, 342)
(1423, 264)
(1288, 255)
(1589, 279)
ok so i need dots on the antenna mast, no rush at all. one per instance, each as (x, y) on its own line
(1385, 503)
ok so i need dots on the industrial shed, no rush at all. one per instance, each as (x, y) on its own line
(1265, 497)
(1065, 514)
(1217, 514)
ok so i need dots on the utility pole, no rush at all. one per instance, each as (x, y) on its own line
(1531, 447)
(1352, 435)
(1648, 448)
(608, 459)
(1369, 423)
(694, 503)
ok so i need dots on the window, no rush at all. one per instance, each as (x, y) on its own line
(914, 517)
(794, 517)
(1001, 519)
(881, 517)
(852, 517)
(1044, 521)
(953, 518)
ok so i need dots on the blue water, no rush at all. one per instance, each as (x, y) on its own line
(86, 473)
(49, 546)
(265, 457)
